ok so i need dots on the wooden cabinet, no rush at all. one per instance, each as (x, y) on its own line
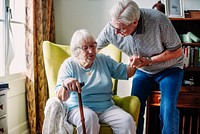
(3, 108)
(189, 96)
(185, 99)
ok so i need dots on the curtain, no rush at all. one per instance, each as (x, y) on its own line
(39, 27)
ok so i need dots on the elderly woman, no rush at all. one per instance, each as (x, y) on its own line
(96, 71)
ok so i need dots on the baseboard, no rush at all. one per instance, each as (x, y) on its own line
(20, 129)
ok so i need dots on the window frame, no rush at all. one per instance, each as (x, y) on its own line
(6, 9)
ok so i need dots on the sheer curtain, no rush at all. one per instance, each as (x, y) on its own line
(39, 27)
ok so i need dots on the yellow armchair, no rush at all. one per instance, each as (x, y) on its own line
(55, 54)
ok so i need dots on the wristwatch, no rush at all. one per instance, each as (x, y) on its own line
(150, 60)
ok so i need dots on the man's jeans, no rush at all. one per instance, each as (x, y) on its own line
(169, 82)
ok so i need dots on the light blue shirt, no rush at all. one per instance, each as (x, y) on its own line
(97, 91)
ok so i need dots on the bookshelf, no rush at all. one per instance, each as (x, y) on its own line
(189, 96)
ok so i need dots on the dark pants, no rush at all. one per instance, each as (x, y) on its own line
(169, 82)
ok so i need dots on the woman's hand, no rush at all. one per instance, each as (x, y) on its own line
(72, 84)
(69, 84)
(136, 61)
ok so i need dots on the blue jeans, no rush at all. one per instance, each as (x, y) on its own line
(169, 81)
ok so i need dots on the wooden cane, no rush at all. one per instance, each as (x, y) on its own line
(81, 109)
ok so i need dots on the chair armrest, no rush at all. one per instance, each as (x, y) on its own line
(130, 104)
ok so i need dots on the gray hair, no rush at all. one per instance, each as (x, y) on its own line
(125, 11)
(79, 37)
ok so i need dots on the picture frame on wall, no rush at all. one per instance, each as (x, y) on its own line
(175, 8)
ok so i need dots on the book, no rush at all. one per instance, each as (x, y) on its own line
(3, 86)
(185, 38)
(188, 55)
(186, 61)
(196, 56)
(193, 37)
(199, 58)
(191, 57)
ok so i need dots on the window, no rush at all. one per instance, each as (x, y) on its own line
(12, 37)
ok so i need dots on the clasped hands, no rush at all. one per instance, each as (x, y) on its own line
(137, 61)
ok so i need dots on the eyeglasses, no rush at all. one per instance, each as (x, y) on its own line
(91, 47)
(122, 30)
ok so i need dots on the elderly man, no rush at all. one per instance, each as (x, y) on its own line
(150, 40)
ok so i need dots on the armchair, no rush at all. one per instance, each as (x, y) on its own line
(55, 54)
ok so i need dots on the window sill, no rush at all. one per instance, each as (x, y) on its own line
(13, 77)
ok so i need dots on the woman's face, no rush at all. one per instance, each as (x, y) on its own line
(87, 54)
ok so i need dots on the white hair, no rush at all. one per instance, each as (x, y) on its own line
(125, 11)
(79, 37)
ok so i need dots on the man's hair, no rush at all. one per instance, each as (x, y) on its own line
(125, 11)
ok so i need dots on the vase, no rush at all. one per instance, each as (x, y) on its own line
(159, 6)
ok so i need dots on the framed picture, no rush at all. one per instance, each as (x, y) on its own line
(174, 8)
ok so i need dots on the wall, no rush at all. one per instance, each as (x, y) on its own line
(71, 15)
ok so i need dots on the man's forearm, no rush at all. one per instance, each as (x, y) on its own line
(166, 55)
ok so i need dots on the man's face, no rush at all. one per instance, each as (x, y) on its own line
(123, 29)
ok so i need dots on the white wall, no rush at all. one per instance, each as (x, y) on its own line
(71, 15)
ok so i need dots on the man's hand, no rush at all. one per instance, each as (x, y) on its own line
(136, 61)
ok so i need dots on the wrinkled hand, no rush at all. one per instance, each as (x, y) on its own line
(69, 84)
(136, 61)
(72, 85)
